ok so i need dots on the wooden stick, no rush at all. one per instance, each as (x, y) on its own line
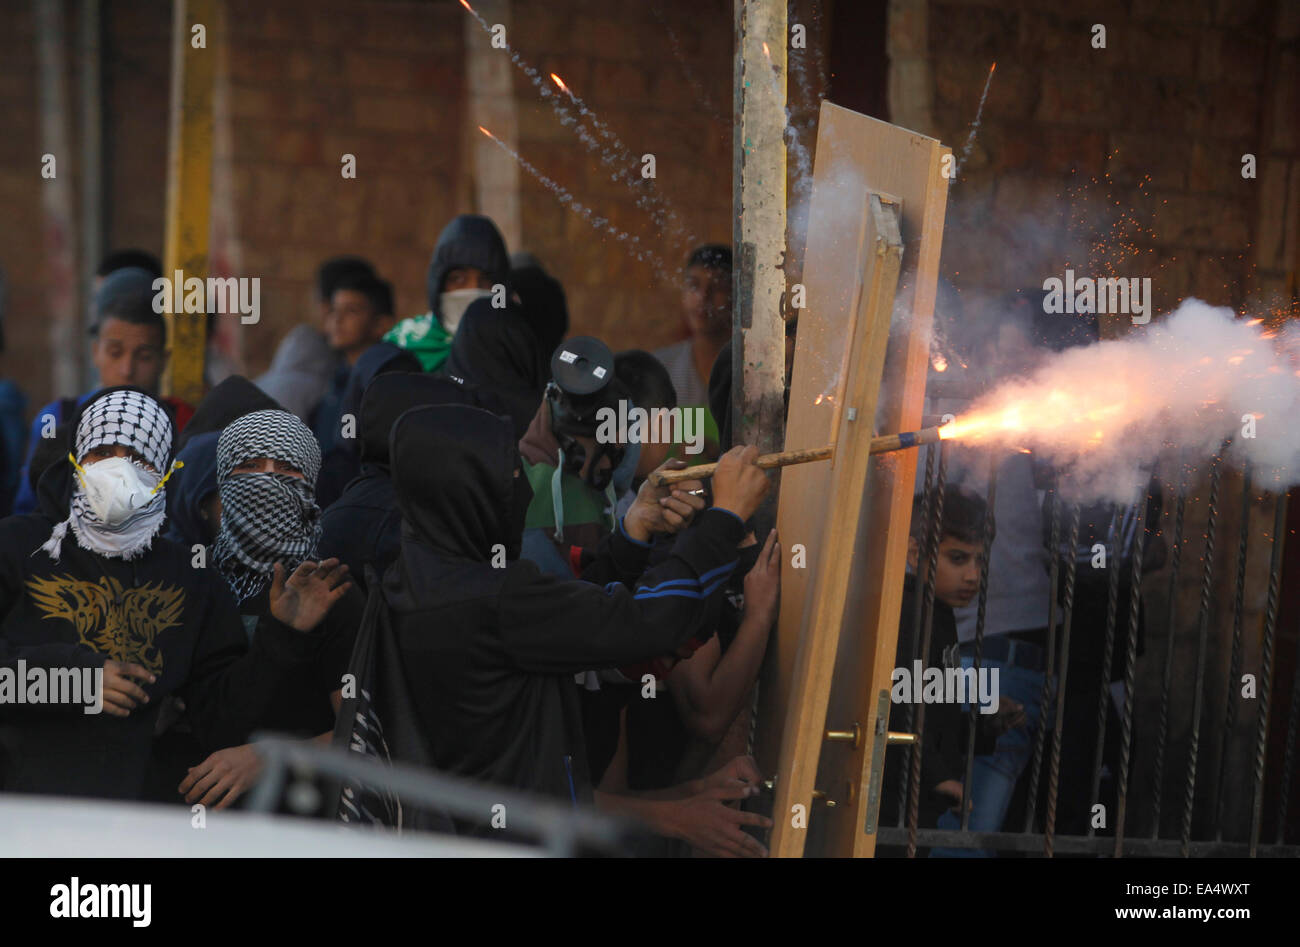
(879, 445)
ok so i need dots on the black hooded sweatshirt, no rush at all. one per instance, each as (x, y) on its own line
(490, 653)
(178, 621)
(468, 240)
(364, 526)
(495, 350)
(341, 463)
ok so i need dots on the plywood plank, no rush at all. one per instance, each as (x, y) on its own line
(854, 154)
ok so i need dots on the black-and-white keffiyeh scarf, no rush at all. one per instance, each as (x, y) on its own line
(265, 517)
(134, 420)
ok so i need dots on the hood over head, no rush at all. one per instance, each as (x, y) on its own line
(380, 359)
(233, 398)
(495, 351)
(391, 395)
(542, 297)
(469, 240)
(454, 473)
(191, 485)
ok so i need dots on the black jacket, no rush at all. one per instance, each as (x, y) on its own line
(943, 754)
(490, 653)
(178, 621)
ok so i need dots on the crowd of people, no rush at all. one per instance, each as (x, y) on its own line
(436, 491)
(561, 626)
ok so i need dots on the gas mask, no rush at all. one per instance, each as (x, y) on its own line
(115, 489)
(454, 304)
(568, 424)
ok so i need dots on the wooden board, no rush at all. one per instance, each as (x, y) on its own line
(843, 347)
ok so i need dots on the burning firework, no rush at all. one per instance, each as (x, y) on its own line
(1107, 409)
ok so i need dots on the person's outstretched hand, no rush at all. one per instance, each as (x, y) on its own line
(223, 777)
(667, 509)
(305, 599)
(708, 823)
(738, 485)
(763, 583)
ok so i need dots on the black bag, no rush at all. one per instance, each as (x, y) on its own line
(380, 721)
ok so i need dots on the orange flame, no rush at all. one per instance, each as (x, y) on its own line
(940, 363)
(560, 82)
(466, 6)
(486, 132)
(766, 51)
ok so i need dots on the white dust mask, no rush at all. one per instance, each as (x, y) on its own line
(115, 489)
(454, 304)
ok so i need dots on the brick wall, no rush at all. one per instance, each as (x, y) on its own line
(307, 84)
(658, 76)
(1125, 160)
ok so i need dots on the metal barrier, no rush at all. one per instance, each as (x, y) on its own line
(1126, 539)
(561, 828)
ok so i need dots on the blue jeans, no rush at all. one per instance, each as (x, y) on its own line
(993, 778)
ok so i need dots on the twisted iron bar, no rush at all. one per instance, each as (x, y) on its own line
(1175, 563)
(1130, 673)
(1040, 736)
(1054, 770)
(932, 565)
(1202, 637)
(1103, 694)
(917, 601)
(990, 527)
(1266, 681)
(1234, 666)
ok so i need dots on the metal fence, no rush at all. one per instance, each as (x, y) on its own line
(1205, 792)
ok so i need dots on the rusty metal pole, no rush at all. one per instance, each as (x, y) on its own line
(758, 225)
(189, 186)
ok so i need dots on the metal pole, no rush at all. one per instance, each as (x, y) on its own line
(1266, 675)
(932, 567)
(1067, 618)
(189, 188)
(758, 224)
(92, 159)
(1175, 561)
(1202, 639)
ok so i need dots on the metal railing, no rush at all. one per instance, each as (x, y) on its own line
(1205, 795)
(561, 829)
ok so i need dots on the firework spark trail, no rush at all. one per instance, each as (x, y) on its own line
(974, 129)
(696, 85)
(1105, 410)
(617, 154)
(663, 215)
(567, 199)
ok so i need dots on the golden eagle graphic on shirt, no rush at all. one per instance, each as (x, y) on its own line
(122, 623)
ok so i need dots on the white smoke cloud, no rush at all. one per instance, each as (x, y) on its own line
(1102, 413)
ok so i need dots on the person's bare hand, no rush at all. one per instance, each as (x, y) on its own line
(305, 599)
(763, 583)
(667, 509)
(708, 823)
(739, 770)
(121, 692)
(1010, 714)
(223, 777)
(738, 485)
(950, 788)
